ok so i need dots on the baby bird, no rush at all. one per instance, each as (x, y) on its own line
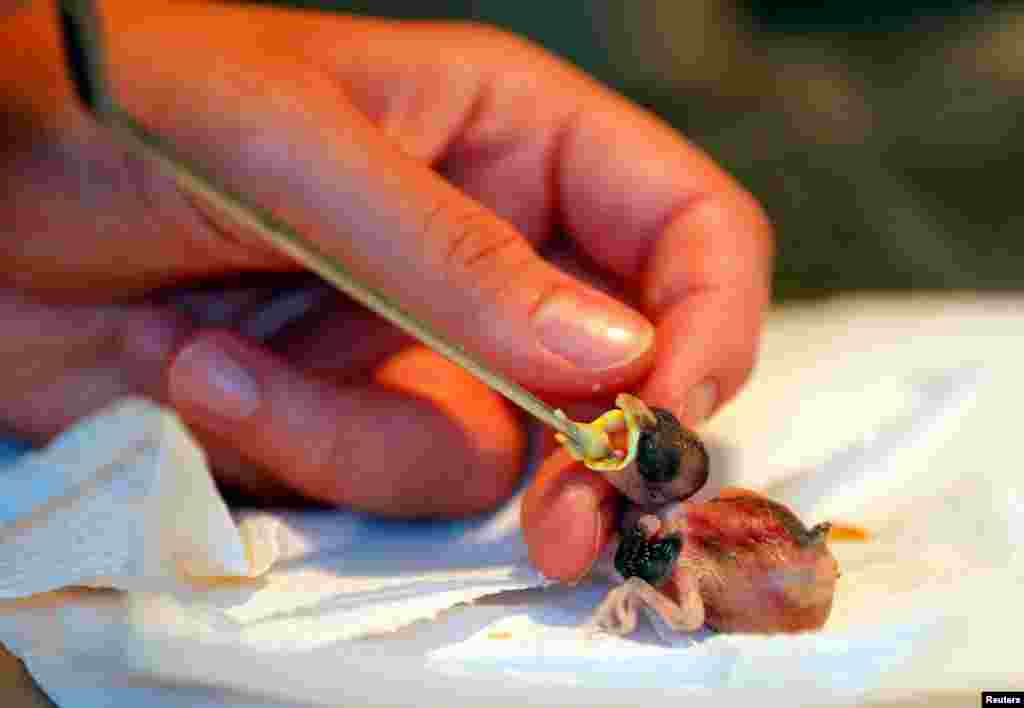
(739, 563)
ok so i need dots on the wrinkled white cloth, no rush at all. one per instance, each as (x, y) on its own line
(892, 414)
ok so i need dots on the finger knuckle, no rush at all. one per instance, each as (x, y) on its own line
(473, 247)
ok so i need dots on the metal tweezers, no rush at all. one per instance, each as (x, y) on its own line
(83, 44)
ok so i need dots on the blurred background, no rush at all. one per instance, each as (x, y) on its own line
(884, 137)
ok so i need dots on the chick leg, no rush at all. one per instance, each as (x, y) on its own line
(620, 610)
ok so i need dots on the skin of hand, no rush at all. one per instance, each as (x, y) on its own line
(440, 162)
(742, 563)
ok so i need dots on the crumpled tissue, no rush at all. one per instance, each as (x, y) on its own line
(123, 500)
(895, 415)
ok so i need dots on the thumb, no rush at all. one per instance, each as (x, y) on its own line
(474, 277)
(477, 279)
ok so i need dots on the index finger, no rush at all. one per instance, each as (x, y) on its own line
(657, 211)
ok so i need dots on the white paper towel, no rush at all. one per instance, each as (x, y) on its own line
(123, 500)
(895, 415)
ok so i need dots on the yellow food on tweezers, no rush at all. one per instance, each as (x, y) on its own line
(631, 415)
(662, 461)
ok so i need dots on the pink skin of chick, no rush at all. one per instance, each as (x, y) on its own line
(747, 564)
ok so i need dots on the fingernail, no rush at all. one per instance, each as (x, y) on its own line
(700, 402)
(206, 376)
(571, 525)
(589, 335)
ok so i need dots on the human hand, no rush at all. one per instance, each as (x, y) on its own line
(438, 162)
